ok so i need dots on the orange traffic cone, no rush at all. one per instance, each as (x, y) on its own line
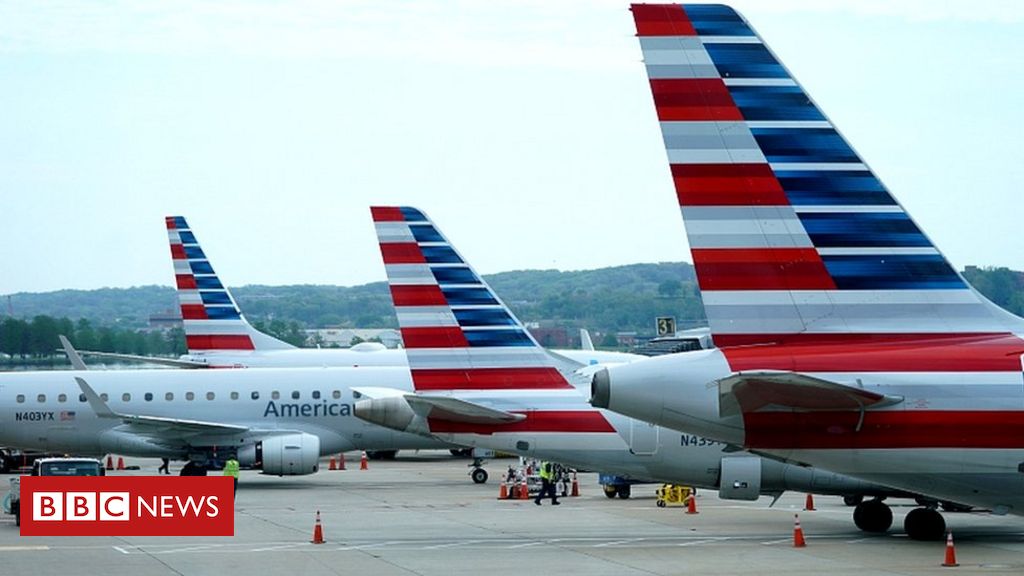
(691, 504)
(950, 551)
(575, 485)
(341, 461)
(318, 531)
(524, 491)
(809, 503)
(798, 533)
(363, 462)
(503, 492)
(120, 463)
(110, 462)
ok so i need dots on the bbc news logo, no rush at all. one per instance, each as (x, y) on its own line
(127, 506)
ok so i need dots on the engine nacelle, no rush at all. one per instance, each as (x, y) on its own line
(286, 455)
(740, 478)
(391, 412)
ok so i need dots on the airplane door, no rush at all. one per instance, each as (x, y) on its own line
(643, 437)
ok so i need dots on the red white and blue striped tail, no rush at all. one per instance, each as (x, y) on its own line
(791, 233)
(212, 320)
(457, 333)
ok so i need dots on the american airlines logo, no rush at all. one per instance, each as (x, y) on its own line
(127, 506)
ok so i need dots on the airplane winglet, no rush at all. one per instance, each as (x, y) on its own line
(73, 356)
(585, 342)
(95, 402)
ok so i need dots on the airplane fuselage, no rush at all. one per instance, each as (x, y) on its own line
(956, 435)
(47, 410)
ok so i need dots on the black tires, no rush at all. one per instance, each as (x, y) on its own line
(873, 516)
(479, 475)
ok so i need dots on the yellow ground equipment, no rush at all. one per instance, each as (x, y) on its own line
(672, 495)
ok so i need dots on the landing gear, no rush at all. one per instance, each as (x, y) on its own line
(479, 475)
(872, 516)
(624, 491)
(610, 491)
(381, 454)
(924, 524)
(853, 500)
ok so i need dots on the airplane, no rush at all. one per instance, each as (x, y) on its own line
(482, 380)
(844, 338)
(281, 420)
(219, 336)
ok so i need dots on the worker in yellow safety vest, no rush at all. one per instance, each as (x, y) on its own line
(231, 469)
(547, 483)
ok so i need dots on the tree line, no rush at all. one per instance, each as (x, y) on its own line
(37, 338)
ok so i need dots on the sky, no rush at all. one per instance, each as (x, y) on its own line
(525, 129)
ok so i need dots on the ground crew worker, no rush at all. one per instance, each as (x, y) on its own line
(231, 469)
(164, 468)
(547, 483)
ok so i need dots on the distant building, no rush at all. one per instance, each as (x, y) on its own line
(165, 320)
(550, 337)
(343, 337)
(626, 338)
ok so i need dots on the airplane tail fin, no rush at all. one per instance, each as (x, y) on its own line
(458, 334)
(791, 233)
(210, 315)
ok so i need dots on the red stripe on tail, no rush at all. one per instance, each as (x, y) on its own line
(193, 312)
(727, 185)
(178, 252)
(761, 269)
(707, 99)
(401, 253)
(219, 342)
(426, 295)
(386, 214)
(185, 281)
(661, 20)
(581, 421)
(488, 379)
(434, 337)
(875, 352)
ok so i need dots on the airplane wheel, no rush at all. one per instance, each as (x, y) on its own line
(610, 491)
(853, 500)
(924, 524)
(479, 475)
(872, 516)
(624, 491)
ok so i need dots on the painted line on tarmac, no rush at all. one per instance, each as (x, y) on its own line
(452, 544)
(618, 542)
(22, 548)
(121, 550)
(526, 545)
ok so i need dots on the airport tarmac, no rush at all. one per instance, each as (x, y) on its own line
(422, 515)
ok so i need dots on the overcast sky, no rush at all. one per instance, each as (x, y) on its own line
(525, 129)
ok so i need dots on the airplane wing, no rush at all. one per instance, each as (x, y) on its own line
(175, 362)
(156, 425)
(443, 407)
(457, 410)
(749, 391)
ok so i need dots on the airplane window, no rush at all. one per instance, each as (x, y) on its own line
(190, 396)
(336, 394)
(316, 394)
(62, 398)
(81, 397)
(255, 395)
(148, 396)
(295, 394)
(234, 395)
(21, 398)
(41, 398)
(169, 396)
(210, 395)
(275, 394)
(104, 397)
(126, 397)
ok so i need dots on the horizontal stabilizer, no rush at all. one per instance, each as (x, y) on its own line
(174, 362)
(456, 410)
(750, 391)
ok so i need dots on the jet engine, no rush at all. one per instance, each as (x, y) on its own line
(285, 455)
(740, 478)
